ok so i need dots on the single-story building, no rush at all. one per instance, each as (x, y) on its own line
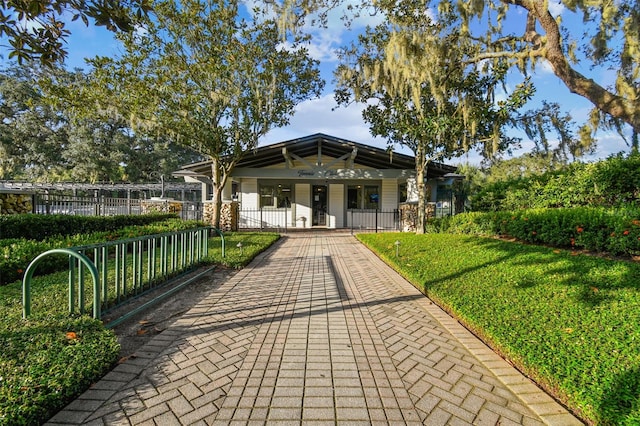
(324, 181)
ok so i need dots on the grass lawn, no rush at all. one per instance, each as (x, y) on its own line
(51, 358)
(570, 321)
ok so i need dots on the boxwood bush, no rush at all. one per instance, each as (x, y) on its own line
(17, 253)
(39, 227)
(615, 231)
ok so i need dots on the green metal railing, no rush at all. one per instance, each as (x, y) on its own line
(125, 268)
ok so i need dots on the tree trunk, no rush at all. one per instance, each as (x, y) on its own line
(420, 186)
(217, 192)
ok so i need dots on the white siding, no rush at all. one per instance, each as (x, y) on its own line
(303, 205)
(249, 190)
(335, 219)
(389, 194)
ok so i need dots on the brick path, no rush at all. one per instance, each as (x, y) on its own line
(317, 330)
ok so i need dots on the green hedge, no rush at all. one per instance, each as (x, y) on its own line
(17, 253)
(615, 231)
(39, 227)
(609, 183)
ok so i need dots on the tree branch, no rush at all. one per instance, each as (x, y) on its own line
(617, 106)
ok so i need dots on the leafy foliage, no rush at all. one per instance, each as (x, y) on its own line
(608, 183)
(440, 111)
(568, 321)
(35, 30)
(39, 227)
(595, 229)
(208, 79)
(16, 254)
(45, 137)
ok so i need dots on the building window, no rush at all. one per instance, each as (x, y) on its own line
(275, 195)
(363, 197)
(402, 193)
(354, 197)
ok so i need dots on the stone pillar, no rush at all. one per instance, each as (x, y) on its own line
(229, 214)
(12, 202)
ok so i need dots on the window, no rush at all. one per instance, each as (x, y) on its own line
(275, 195)
(354, 197)
(363, 197)
(402, 193)
(371, 197)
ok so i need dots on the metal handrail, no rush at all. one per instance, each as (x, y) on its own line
(124, 268)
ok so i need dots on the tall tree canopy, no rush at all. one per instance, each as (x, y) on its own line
(36, 30)
(200, 74)
(447, 110)
(43, 137)
(524, 33)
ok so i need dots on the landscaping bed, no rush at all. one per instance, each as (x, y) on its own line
(51, 358)
(567, 320)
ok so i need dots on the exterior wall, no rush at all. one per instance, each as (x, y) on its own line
(303, 205)
(335, 219)
(250, 196)
(389, 194)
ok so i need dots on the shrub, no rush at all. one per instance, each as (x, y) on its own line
(16, 254)
(609, 183)
(616, 231)
(39, 227)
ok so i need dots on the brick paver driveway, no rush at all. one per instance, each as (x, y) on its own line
(316, 330)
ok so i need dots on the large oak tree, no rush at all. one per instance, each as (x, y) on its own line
(448, 111)
(526, 33)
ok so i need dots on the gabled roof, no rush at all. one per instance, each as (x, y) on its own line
(312, 146)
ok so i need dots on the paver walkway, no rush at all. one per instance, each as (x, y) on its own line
(317, 330)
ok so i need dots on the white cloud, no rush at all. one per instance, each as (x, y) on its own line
(556, 8)
(324, 116)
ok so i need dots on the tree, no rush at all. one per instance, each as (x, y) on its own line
(207, 79)
(524, 33)
(538, 123)
(443, 113)
(32, 134)
(35, 30)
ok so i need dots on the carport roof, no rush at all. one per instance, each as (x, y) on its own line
(316, 144)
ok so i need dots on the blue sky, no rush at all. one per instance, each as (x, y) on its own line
(322, 116)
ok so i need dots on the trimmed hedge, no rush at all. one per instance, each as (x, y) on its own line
(615, 231)
(39, 227)
(17, 253)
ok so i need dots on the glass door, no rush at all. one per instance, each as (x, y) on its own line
(319, 205)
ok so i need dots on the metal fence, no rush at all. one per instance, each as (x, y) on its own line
(362, 220)
(104, 206)
(282, 219)
(271, 218)
(123, 269)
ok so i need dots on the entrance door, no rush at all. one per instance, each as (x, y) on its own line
(319, 205)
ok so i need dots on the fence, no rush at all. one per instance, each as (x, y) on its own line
(362, 220)
(123, 269)
(104, 206)
(283, 219)
(271, 218)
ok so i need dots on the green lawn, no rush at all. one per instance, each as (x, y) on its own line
(569, 320)
(51, 358)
